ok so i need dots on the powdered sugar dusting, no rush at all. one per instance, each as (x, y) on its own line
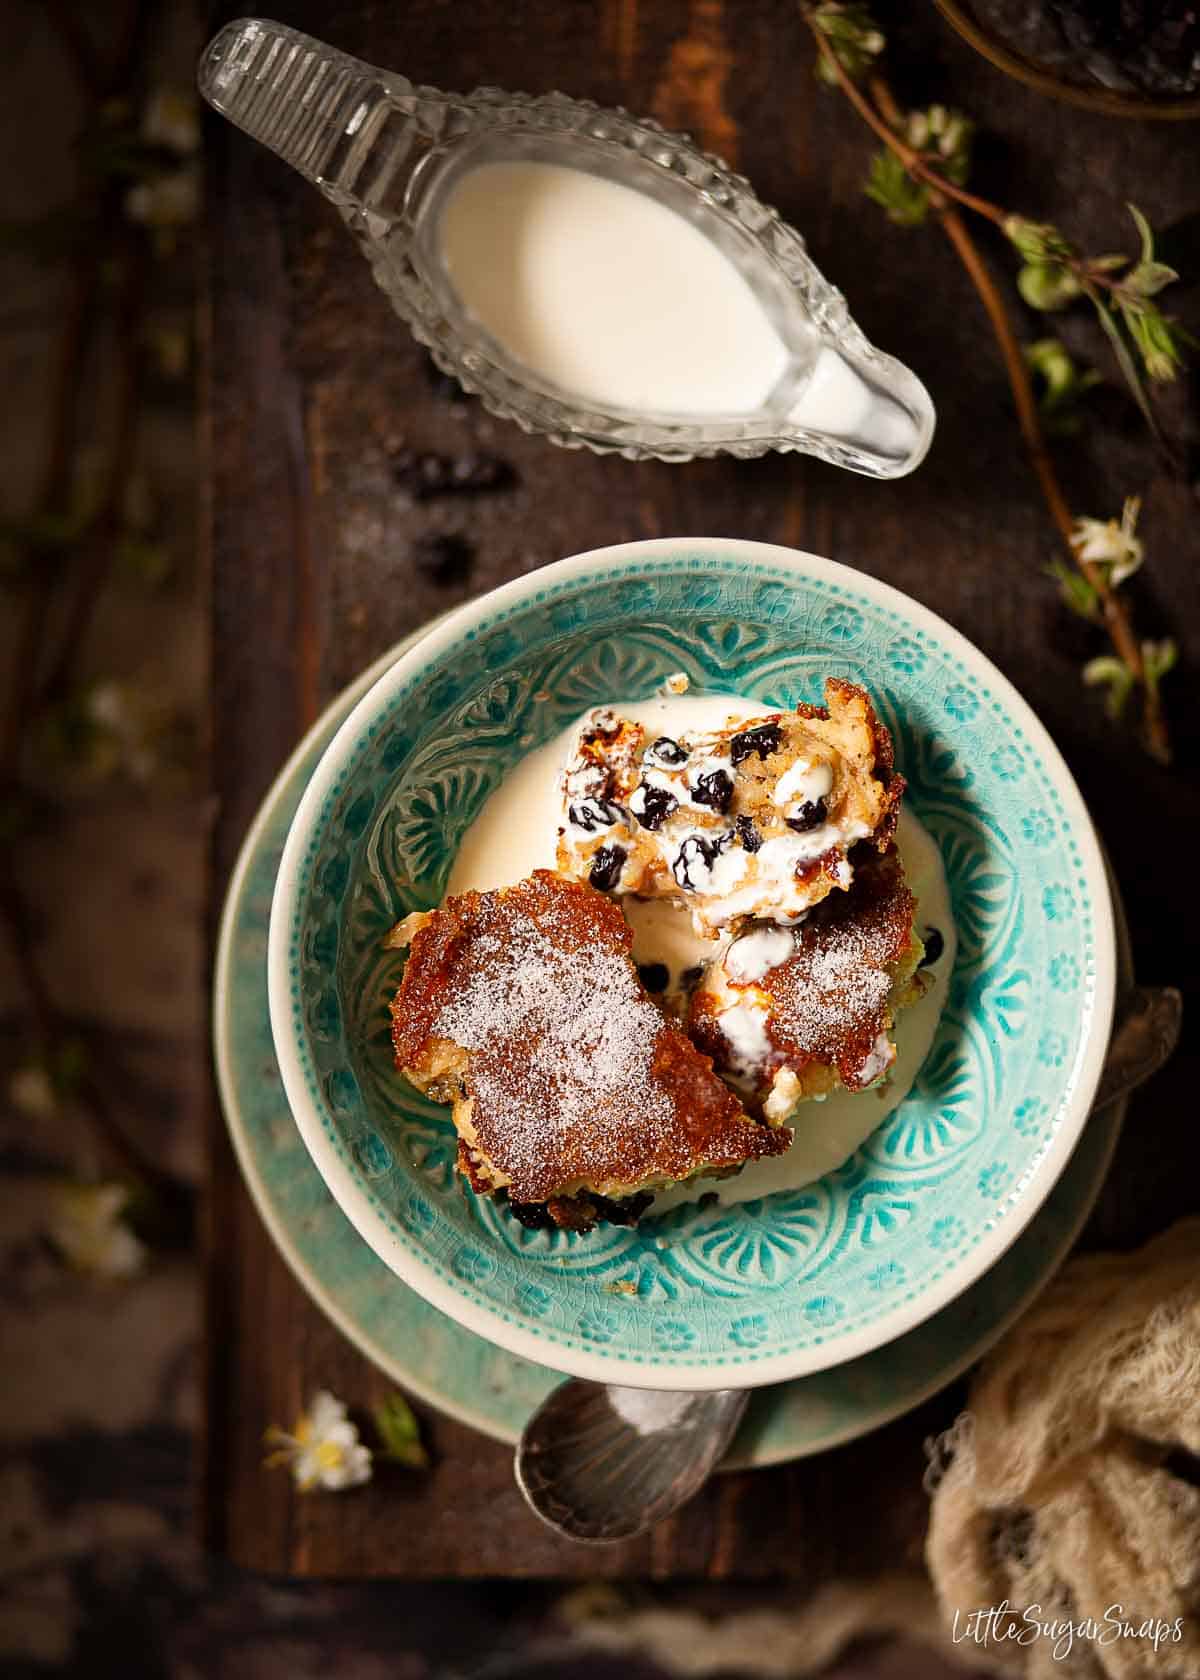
(822, 992)
(583, 1026)
(831, 997)
(829, 991)
(562, 1043)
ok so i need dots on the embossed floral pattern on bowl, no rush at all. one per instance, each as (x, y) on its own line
(703, 1296)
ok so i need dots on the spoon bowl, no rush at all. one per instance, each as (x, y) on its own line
(601, 1464)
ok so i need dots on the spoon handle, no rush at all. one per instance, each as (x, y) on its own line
(1144, 1037)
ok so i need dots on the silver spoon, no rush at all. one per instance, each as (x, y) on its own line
(601, 1464)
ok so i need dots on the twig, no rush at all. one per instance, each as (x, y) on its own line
(1117, 620)
(78, 46)
(48, 1023)
(886, 122)
(913, 160)
(52, 495)
(1014, 367)
(68, 379)
(1113, 609)
(105, 524)
(1090, 280)
(174, 1198)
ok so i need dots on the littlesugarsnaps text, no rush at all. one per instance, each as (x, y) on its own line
(993, 1624)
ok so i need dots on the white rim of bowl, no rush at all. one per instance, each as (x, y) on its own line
(412, 1269)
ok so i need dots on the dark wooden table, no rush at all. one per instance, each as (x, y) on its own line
(314, 387)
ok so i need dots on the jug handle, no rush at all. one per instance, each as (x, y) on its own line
(346, 126)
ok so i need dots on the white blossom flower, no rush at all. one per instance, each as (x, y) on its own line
(31, 1092)
(168, 201)
(123, 720)
(1111, 543)
(108, 705)
(86, 1226)
(323, 1449)
(172, 119)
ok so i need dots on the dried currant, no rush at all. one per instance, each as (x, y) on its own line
(763, 739)
(444, 385)
(535, 1216)
(426, 476)
(747, 833)
(593, 814)
(695, 860)
(934, 945)
(607, 864)
(444, 557)
(666, 751)
(715, 789)
(627, 1211)
(810, 815)
(652, 805)
(656, 977)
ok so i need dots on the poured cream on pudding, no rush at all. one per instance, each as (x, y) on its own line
(754, 819)
(516, 833)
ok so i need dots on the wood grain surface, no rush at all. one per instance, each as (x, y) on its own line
(314, 389)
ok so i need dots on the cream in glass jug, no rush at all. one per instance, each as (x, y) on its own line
(588, 275)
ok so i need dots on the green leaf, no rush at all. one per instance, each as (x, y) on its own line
(1037, 242)
(1111, 673)
(854, 36)
(1145, 232)
(70, 737)
(1058, 385)
(400, 1433)
(122, 154)
(1148, 278)
(1076, 592)
(1156, 339)
(1047, 286)
(1157, 659)
(890, 185)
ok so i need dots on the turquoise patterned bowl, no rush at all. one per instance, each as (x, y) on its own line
(710, 1297)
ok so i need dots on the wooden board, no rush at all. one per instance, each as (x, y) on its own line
(314, 387)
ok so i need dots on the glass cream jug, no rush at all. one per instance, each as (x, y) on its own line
(589, 275)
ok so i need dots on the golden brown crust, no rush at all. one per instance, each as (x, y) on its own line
(874, 920)
(885, 757)
(440, 947)
(523, 1008)
(853, 963)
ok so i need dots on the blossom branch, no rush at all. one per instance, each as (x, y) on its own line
(1113, 609)
(945, 197)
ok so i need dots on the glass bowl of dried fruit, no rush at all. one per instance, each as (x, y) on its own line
(1122, 58)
